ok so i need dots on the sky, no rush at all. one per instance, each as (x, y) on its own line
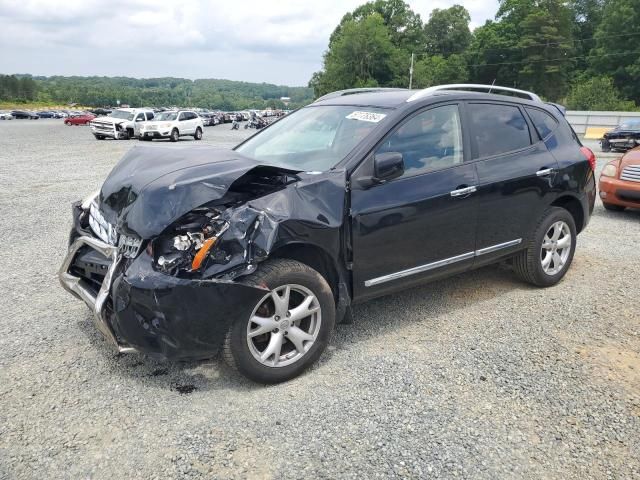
(271, 41)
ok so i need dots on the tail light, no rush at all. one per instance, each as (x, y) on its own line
(590, 156)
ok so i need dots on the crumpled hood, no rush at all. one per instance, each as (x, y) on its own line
(152, 187)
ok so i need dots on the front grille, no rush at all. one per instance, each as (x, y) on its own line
(103, 229)
(631, 173)
(151, 127)
(105, 127)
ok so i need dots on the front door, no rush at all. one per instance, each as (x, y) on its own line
(423, 223)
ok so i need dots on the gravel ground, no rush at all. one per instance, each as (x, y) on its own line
(478, 376)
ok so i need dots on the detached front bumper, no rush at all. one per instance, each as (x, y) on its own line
(139, 309)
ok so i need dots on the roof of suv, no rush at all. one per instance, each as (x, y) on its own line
(395, 98)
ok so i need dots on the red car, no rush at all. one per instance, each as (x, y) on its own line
(82, 119)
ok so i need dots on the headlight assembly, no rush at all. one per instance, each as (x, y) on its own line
(609, 170)
(186, 252)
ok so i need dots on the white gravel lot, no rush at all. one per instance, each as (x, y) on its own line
(478, 376)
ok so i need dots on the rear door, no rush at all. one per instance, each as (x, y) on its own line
(422, 224)
(515, 176)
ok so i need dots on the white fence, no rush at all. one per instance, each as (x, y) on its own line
(581, 120)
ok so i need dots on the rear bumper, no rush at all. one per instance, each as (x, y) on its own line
(139, 309)
(619, 192)
(155, 134)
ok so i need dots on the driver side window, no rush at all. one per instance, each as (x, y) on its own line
(432, 140)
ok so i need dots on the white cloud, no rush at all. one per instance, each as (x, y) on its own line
(255, 40)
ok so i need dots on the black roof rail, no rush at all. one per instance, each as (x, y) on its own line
(352, 91)
(473, 87)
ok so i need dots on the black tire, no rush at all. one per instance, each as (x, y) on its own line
(198, 134)
(528, 265)
(99, 137)
(276, 273)
(613, 208)
(605, 147)
(175, 135)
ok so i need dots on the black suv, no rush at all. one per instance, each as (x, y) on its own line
(261, 249)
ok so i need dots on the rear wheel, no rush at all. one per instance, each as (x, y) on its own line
(289, 328)
(99, 137)
(613, 208)
(175, 135)
(550, 250)
(198, 134)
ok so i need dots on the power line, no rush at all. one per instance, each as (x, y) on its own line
(566, 41)
(557, 59)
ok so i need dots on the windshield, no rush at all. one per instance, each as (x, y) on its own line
(630, 125)
(166, 116)
(122, 114)
(313, 138)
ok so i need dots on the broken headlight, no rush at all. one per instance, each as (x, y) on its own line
(188, 245)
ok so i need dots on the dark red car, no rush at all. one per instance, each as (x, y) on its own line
(82, 119)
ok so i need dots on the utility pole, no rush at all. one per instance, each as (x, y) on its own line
(411, 72)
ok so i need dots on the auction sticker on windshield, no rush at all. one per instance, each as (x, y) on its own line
(366, 116)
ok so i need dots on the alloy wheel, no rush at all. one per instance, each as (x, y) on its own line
(284, 325)
(556, 248)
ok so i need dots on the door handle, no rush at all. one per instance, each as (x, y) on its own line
(544, 172)
(461, 192)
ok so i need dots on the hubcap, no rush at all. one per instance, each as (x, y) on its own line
(284, 326)
(556, 247)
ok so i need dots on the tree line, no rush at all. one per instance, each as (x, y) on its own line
(152, 92)
(583, 53)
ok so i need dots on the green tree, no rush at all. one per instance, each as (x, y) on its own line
(545, 40)
(437, 70)
(617, 51)
(404, 25)
(361, 55)
(494, 55)
(597, 93)
(447, 31)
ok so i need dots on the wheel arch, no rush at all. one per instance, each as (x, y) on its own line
(314, 256)
(574, 207)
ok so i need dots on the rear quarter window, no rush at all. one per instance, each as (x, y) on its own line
(544, 122)
(497, 129)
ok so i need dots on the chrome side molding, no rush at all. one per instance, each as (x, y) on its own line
(440, 263)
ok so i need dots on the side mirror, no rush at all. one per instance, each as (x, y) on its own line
(387, 166)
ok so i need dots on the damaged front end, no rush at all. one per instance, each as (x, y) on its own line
(160, 254)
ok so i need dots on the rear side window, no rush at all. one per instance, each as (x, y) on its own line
(149, 115)
(544, 122)
(498, 129)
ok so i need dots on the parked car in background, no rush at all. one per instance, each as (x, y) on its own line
(101, 111)
(6, 116)
(620, 182)
(79, 119)
(624, 137)
(260, 250)
(121, 124)
(173, 125)
(20, 114)
(46, 114)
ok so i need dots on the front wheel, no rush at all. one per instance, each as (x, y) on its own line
(67, 123)
(550, 250)
(198, 134)
(175, 135)
(289, 327)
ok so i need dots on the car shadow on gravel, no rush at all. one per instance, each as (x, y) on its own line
(429, 301)
(371, 319)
